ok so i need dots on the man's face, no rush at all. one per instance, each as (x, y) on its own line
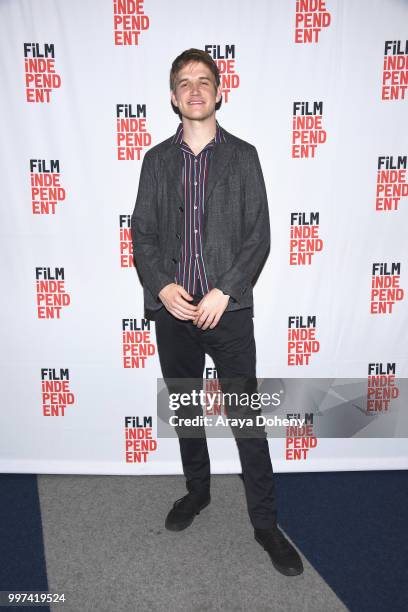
(195, 92)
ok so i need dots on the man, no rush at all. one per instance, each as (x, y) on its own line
(200, 231)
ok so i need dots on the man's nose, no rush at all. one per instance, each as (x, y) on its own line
(194, 87)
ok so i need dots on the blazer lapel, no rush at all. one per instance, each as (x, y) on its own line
(174, 170)
(219, 161)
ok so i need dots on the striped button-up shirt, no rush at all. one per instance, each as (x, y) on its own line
(190, 271)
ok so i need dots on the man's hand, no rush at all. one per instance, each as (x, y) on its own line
(174, 299)
(211, 309)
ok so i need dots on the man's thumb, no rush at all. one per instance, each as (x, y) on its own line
(184, 293)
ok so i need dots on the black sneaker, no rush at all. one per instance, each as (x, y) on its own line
(284, 556)
(184, 511)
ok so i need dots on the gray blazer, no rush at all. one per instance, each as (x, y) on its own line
(236, 229)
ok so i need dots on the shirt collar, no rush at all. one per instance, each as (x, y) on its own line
(219, 135)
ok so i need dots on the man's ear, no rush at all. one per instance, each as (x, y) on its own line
(219, 93)
(173, 99)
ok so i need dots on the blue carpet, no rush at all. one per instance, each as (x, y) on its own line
(22, 566)
(353, 528)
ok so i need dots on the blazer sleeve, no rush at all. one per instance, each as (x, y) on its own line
(237, 279)
(145, 232)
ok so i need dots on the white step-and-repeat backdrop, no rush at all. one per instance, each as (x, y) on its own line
(320, 88)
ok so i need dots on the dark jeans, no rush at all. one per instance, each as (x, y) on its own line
(231, 345)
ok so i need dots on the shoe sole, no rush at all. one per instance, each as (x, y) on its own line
(286, 571)
(187, 523)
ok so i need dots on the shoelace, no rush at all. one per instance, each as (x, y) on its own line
(184, 503)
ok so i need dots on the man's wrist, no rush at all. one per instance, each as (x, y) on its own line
(223, 292)
(163, 287)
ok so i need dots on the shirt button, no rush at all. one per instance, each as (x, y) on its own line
(195, 207)
(195, 231)
(197, 255)
(195, 182)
